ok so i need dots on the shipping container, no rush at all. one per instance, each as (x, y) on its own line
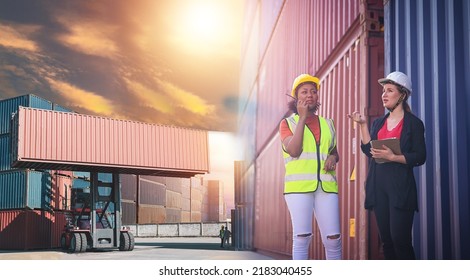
(173, 199)
(214, 201)
(128, 211)
(244, 190)
(58, 224)
(197, 195)
(196, 205)
(151, 214)
(11, 105)
(306, 33)
(185, 204)
(68, 141)
(154, 191)
(196, 182)
(151, 193)
(271, 214)
(157, 179)
(173, 215)
(20, 189)
(30, 229)
(186, 188)
(196, 217)
(61, 190)
(185, 216)
(342, 44)
(430, 41)
(5, 152)
(57, 107)
(174, 184)
(129, 186)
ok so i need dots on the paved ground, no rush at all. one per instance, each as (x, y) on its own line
(179, 248)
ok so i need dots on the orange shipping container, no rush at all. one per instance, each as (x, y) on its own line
(151, 214)
(196, 216)
(185, 216)
(68, 141)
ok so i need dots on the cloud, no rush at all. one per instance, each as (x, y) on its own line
(80, 98)
(187, 100)
(148, 97)
(167, 97)
(92, 38)
(14, 38)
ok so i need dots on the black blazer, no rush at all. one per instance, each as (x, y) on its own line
(413, 147)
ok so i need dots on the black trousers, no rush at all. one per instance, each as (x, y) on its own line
(395, 225)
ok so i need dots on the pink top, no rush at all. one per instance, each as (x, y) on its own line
(384, 133)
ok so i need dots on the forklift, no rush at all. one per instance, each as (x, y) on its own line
(94, 219)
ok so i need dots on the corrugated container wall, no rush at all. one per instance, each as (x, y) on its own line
(341, 42)
(5, 151)
(20, 189)
(244, 206)
(430, 41)
(30, 229)
(10, 106)
(156, 199)
(301, 41)
(61, 190)
(69, 141)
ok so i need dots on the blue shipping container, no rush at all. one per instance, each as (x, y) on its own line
(9, 106)
(20, 189)
(57, 107)
(5, 153)
(430, 41)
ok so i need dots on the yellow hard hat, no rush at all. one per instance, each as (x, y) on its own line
(304, 78)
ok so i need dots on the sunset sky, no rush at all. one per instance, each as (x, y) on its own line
(169, 62)
(172, 62)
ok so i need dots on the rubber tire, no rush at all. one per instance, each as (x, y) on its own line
(84, 242)
(124, 242)
(63, 241)
(131, 241)
(75, 243)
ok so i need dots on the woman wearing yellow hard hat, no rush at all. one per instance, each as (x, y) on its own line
(390, 184)
(310, 157)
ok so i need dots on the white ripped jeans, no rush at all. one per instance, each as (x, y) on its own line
(325, 206)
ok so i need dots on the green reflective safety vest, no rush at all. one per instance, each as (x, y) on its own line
(306, 173)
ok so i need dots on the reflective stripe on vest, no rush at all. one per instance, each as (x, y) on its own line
(306, 173)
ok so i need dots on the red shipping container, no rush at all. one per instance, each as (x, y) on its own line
(61, 190)
(61, 140)
(30, 229)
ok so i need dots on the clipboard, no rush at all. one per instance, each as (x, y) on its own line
(392, 143)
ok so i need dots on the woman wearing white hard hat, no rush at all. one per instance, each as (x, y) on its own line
(390, 185)
(310, 157)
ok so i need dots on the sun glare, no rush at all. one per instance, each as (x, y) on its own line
(202, 21)
(205, 27)
(201, 24)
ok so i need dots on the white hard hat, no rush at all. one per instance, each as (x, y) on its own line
(397, 78)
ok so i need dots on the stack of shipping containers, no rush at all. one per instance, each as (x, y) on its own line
(196, 199)
(349, 45)
(31, 201)
(35, 200)
(341, 43)
(156, 200)
(213, 206)
(430, 40)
